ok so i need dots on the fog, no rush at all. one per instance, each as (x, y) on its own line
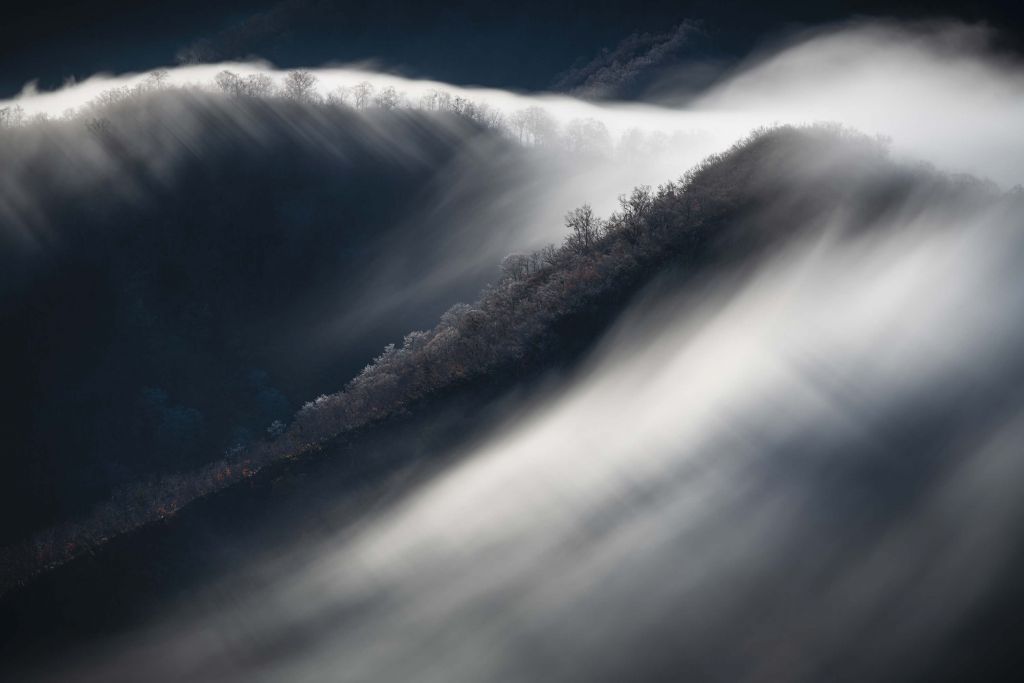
(921, 84)
(815, 476)
(805, 469)
(938, 90)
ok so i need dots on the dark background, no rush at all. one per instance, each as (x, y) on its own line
(519, 45)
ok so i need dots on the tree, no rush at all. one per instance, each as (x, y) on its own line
(444, 101)
(589, 137)
(362, 93)
(11, 116)
(541, 127)
(635, 208)
(300, 86)
(229, 82)
(435, 100)
(585, 226)
(548, 256)
(515, 267)
(519, 122)
(533, 126)
(156, 80)
(489, 117)
(388, 98)
(340, 96)
(258, 85)
(110, 97)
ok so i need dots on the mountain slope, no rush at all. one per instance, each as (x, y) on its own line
(756, 197)
(416, 407)
(183, 270)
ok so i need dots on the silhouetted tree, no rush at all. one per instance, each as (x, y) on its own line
(634, 209)
(585, 227)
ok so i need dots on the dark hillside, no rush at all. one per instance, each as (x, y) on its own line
(183, 271)
(403, 415)
(549, 307)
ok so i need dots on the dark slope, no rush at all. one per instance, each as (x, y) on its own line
(417, 403)
(180, 270)
(219, 545)
(730, 207)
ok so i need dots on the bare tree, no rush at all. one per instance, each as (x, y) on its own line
(98, 125)
(519, 123)
(111, 96)
(490, 117)
(444, 101)
(258, 85)
(585, 226)
(229, 82)
(549, 256)
(156, 80)
(340, 96)
(11, 116)
(363, 94)
(300, 86)
(434, 100)
(388, 98)
(515, 267)
(635, 208)
(589, 137)
(539, 127)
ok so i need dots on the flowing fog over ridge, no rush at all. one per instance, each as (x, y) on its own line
(805, 466)
(814, 476)
(923, 85)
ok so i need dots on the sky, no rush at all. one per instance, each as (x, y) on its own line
(524, 45)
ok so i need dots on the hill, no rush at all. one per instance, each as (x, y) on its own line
(181, 271)
(547, 308)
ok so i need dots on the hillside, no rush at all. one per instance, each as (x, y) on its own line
(191, 271)
(549, 306)
(417, 406)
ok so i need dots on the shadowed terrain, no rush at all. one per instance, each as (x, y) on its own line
(543, 334)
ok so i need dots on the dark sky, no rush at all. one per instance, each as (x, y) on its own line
(520, 45)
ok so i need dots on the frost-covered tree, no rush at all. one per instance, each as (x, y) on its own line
(515, 267)
(585, 228)
(634, 209)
